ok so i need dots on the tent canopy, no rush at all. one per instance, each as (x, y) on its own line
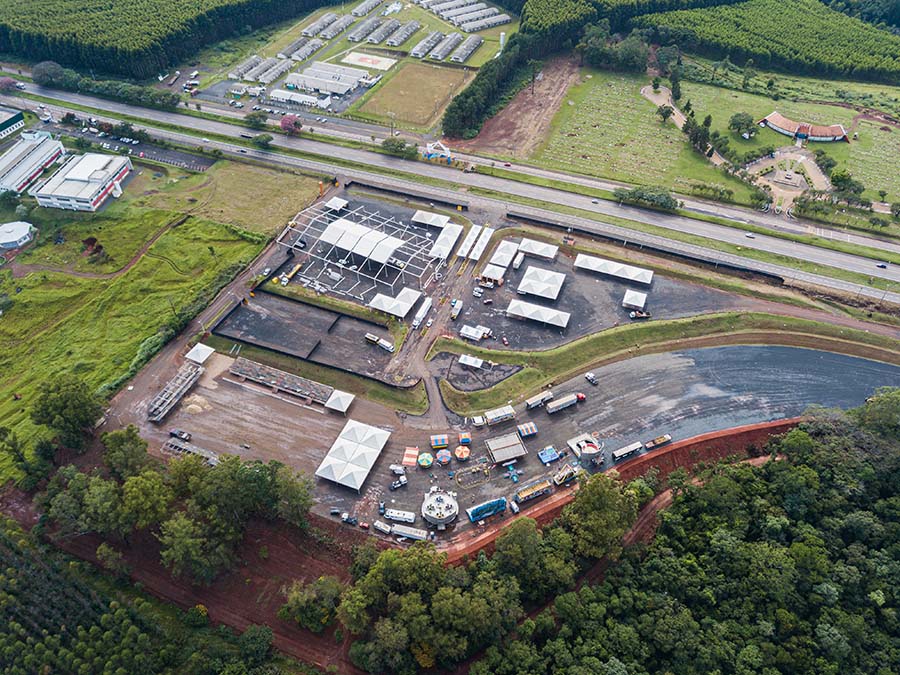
(493, 272)
(360, 240)
(353, 454)
(398, 306)
(429, 218)
(336, 204)
(199, 353)
(504, 254)
(525, 310)
(613, 269)
(634, 300)
(542, 283)
(339, 400)
(540, 249)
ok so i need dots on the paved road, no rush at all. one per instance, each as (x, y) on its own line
(809, 253)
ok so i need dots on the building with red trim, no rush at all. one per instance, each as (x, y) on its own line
(803, 131)
(84, 182)
(27, 159)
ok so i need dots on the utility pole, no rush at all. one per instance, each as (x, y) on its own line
(392, 115)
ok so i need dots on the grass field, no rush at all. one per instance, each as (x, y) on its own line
(59, 322)
(417, 93)
(872, 158)
(606, 128)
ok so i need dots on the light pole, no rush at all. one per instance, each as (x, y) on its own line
(392, 115)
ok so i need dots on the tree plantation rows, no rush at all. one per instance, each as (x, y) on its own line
(134, 38)
(800, 36)
(789, 568)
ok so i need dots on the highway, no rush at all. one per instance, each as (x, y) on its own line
(774, 245)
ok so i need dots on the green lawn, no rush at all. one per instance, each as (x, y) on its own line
(872, 158)
(606, 128)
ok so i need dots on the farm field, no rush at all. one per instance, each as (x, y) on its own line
(606, 128)
(417, 93)
(773, 34)
(96, 325)
(872, 158)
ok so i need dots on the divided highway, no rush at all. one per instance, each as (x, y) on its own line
(362, 158)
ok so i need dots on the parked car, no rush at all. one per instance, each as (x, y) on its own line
(590, 377)
(398, 469)
(381, 508)
(429, 323)
(335, 511)
(178, 433)
(364, 526)
(399, 483)
(504, 341)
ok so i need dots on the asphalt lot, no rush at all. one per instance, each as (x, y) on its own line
(466, 378)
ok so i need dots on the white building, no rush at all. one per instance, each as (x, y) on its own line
(21, 165)
(14, 235)
(84, 182)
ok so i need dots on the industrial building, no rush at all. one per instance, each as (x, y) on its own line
(11, 120)
(445, 46)
(614, 269)
(16, 234)
(336, 28)
(327, 78)
(403, 33)
(83, 182)
(542, 283)
(546, 315)
(378, 36)
(364, 29)
(21, 165)
(320, 24)
(475, 15)
(365, 7)
(284, 96)
(353, 454)
(484, 24)
(466, 49)
(244, 67)
(420, 51)
(307, 50)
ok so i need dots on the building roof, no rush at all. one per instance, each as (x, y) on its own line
(504, 254)
(471, 361)
(613, 268)
(525, 310)
(353, 454)
(541, 249)
(398, 306)
(506, 447)
(430, 219)
(82, 176)
(493, 272)
(339, 400)
(199, 353)
(11, 232)
(469, 241)
(446, 240)
(360, 240)
(481, 244)
(470, 333)
(634, 299)
(7, 114)
(776, 119)
(26, 159)
(541, 282)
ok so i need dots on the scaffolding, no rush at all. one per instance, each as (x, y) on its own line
(328, 267)
(175, 446)
(279, 380)
(175, 389)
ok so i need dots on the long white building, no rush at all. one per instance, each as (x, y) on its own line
(21, 165)
(84, 182)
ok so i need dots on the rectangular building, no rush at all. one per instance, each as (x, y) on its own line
(21, 165)
(83, 182)
(11, 120)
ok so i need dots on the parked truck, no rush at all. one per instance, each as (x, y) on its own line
(422, 313)
(457, 309)
(385, 345)
(564, 402)
(498, 415)
(538, 400)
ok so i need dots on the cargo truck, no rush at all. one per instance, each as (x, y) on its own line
(564, 402)
(422, 313)
(538, 400)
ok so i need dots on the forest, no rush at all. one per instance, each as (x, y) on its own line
(131, 38)
(771, 32)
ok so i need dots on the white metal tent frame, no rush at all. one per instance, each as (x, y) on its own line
(409, 265)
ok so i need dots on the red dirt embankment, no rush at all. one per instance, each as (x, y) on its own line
(711, 447)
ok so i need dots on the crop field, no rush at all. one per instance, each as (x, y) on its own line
(872, 158)
(417, 94)
(95, 323)
(801, 36)
(606, 128)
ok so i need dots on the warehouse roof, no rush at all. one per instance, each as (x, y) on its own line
(613, 268)
(353, 454)
(25, 160)
(541, 282)
(525, 310)
(82, 176)
(541, 249)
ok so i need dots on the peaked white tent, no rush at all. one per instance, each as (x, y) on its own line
(199, 353)
(429, 218)
(613, 269)
(339, 401)
(540, 249)
(471, 361)
(634, 300)
(398, 306)
(445, 241)
(525, 310)
(361, 240)
(541, 282)
(336, 204)
(504, 254)
(493, 273)
(353, 454)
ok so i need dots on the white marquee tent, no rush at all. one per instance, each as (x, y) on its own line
(398, 306)
(504, 254)
(353, 454)
(540, 249)
(541, 282)
(613, 269)
(634, 300)
(199, 353)
(429, 218)
(469, 241)
(360, 240)
(525, 310)
(445, 241)
(339, 401)
(471, 361)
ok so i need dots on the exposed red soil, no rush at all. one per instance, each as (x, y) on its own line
(518, 129)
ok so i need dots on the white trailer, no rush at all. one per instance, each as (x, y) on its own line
(410, 532)
(501, 414)
(628, 450)
(384, 528)
(422, 313)
(400, 516)
(538, 400)
(385, 345)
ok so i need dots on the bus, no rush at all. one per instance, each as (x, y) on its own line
(538, 400)
(384, 528)
(400, 516)
(385, 345)
(628, 450)
(372, 338)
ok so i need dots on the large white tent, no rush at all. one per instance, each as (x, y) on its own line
(360, 240)
(504, 254)
(493, 273)
(429, 218)
(481, 244)
(469, 241)
(525, 310)
(353, 454)
(540, 249)
(199, 353)
(471, 361)
(634, 300)
(445, 241)
(339, 401)
(398, 306)
(541, 282)
(613, 269)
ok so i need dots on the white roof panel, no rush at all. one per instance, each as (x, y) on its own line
(634, 300)
(199, 353)
(469, 241)
(541, 249)
(493, 272)
(504, 254)
(353, 454)
(541, 282)
(613, 269)
(525, 310)
(481, 244)
(443, 245)
(398, 306)
(336, 204)
(361, 240)
(470, 333)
